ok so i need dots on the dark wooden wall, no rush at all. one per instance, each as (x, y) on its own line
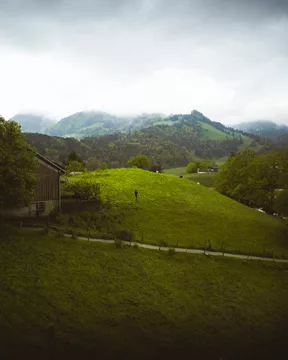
(47, 184)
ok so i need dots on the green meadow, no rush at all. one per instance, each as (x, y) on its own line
(64, 298)
(206, 179)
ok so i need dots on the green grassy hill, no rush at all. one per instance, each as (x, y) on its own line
(67, 299)
(178, 211)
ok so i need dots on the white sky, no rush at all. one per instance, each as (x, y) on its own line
(227, 59)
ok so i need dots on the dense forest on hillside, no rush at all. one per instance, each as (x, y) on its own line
(169, 143)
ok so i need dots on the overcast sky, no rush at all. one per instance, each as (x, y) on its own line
(225, 58)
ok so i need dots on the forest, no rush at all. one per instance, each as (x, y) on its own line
(173, 142)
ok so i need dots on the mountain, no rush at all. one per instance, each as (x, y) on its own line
(172, 141)
(95, 123)
(88, 123)
(33, 123)
(267, 129)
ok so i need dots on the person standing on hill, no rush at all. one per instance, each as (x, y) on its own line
(136, 194)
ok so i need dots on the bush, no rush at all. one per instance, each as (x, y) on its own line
(124, 235)
(141, 161)
(162, 244)
(191, 168)
(119, 244)
(103, 166)
(59, 234)
(171, 252)
(136, 246)
(84, 189)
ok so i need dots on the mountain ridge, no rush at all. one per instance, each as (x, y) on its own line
(171, 141)
(264, 128)
(33, 123)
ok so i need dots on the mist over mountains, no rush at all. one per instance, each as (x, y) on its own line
(264, 128)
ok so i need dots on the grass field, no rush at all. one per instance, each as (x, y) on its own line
(179, 211)
(206, 179)
(78, 300)
(214, 134)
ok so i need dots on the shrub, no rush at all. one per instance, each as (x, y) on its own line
(136, 246)
(119, 244)
(191, 168)
(74, 236)
(162, 244)
(103, 166)
(124, 235)
(171, 252)
(84, 189)
(59, 234)
(141, 161)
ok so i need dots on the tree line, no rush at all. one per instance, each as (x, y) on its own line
(260, 181)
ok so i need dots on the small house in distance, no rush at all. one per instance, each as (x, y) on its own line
(213, 168)
(48, 195)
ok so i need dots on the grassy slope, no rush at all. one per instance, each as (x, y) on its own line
(214, 134)
(178, 210)
(135, 303)
(204, 179)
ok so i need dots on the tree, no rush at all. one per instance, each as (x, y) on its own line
(191, 168)
(252, 179)
(93, 164)
(232, 178)
(84, 189)
(18, 165)
(203, 164)
(74, 166)
(141, 161)
(73, 156)
(103, 166)
(281, 203)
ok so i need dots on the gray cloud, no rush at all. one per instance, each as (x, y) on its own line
(239, 45)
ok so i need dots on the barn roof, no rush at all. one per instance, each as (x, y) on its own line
(50, 163)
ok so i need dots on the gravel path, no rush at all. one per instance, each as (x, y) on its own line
(190, 251)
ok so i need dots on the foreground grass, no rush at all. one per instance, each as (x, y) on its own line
(180, 212)
(73, 299)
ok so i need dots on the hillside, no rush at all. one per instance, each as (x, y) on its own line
(88, 123)
(171, 141)
(67, 299)
(97, 123)
(178, 211)
(267, 129)
(33, 123)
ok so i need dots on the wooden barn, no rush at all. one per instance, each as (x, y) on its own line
(48, 195)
